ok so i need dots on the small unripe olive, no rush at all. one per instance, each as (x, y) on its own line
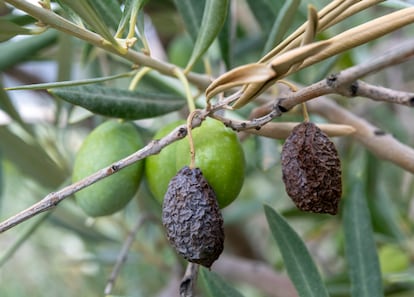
(109, 142)
(161, 168)
(219, 155)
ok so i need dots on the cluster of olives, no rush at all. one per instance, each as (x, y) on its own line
(191, 198)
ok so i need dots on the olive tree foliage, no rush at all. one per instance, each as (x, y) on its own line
(259, 66)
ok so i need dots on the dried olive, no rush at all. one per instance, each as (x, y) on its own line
(192, 217)
(312, 170)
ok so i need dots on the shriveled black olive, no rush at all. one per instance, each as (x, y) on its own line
(192, 218)
(312, 170)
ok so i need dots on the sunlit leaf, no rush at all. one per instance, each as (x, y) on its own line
(119, 103)
(299, 264)
(214, 16)
(360, 248)
(216, 286)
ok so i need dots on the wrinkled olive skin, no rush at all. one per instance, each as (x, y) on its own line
(109, 142)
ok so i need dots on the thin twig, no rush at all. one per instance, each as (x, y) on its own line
(54, 198)
(188, 283)
(55, 21)
(123, 254)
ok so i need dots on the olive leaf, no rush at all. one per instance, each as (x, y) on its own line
(120, 103)
(18, 51)
(360, 248)
(282, 23)
(299, 264)
(191, 12)
(214, 16)
(89, 13)
(249, 73)
(10, 29)
(216, 286)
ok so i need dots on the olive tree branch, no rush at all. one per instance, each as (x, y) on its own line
(54, 198)
(344, 83)
(55, 21)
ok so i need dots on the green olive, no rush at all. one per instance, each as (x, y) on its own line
(160, 168)
(109, 142)
(219, 155)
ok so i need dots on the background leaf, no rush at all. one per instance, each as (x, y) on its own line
(283, 22)
(31, 159)
(14, 52)
(298, 262)
(10, 29)
(360, 248)
(213, 19)
(216, 286)
(119, 103)
(191, 12)
(265, 12)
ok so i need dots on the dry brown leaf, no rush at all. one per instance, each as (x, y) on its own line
(250, 73)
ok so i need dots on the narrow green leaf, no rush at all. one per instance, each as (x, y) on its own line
(7, 106)
(70, 83)
(109, 11)
(126, 14)
(90, 15)
(298, 262)
(10, 29)
(360, 249)
(119, 103)
(283, 22)
(191, 12)
(264, 13)
(214, 16)
(31, 159)
(226, 39)
(13, 52)
(384, 215)
(1, 178)
(216, 286)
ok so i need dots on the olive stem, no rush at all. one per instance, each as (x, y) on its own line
(189, 280)
(190, 136)
(137, 78)
(181, 76)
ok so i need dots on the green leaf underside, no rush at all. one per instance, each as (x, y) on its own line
(360, 249)
(216, 286)
(119, 103)
(299, 264)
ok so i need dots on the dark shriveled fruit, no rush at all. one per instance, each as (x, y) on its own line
(311, 170)
(192, 218)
